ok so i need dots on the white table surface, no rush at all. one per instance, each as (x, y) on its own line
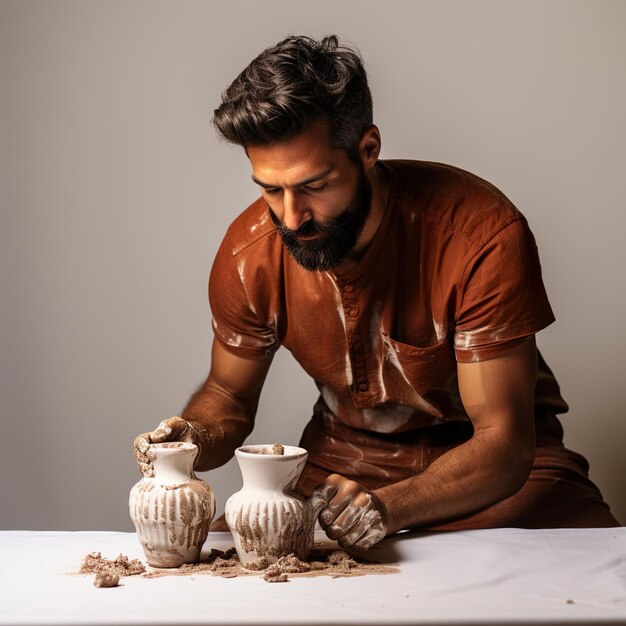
(502, 576)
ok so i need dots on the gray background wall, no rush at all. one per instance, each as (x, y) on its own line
(115, 192)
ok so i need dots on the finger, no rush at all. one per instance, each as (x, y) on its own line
(178, 426)
(346, 494)
(161, 433)
(142, 442)
(335, 508)
(329, 487)
(146, 456)
(367, 540)
(144, 463)
(317, 503)
(354, 536)
(143, 457)
(322, 495)
(171, 429)
(345, 522)
(146, 469)
(374, 530)
(366, 530)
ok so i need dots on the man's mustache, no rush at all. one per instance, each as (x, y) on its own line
(308, 228)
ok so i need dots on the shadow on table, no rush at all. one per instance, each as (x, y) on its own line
(389, 551)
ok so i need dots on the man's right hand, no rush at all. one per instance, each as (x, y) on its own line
(172, 429)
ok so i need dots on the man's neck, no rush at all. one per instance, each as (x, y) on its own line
(379, 180)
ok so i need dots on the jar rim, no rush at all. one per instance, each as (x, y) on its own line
(173, 446)
(264, 450)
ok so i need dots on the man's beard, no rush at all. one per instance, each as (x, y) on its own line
(336, 236)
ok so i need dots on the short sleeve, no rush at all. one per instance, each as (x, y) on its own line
(503, 299)
(235, 321)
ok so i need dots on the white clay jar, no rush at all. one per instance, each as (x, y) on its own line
(267, 518)
(172, 511)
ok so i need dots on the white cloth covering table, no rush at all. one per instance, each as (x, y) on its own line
(501, 576)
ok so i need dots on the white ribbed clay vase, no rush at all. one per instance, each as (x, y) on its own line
(267, 518)
(173, 509)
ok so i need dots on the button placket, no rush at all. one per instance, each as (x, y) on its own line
(350, 302)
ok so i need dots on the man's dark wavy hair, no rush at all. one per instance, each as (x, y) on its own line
(293, 84)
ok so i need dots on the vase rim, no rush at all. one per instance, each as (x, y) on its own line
(263, 451)
(171, 447)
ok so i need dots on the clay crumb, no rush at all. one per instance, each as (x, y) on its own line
(291, 564)
(276, 450)
(106, 578)
(342, 560)
(215, 553)
(229, 554)
(258, 565)
(94, 563)
(275, 577)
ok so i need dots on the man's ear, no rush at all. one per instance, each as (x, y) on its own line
(369, 146)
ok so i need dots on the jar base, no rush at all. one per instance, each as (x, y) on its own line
(170, 558)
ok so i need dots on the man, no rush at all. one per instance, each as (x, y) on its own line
(410, 291)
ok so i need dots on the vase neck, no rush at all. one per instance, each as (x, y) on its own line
(174, 464)
(270, 474)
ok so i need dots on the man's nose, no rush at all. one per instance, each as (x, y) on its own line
(296, 212)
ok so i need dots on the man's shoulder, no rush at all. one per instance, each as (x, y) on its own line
(251, 226)
(452, 199)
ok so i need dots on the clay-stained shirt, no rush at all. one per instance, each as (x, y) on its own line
(451, 275)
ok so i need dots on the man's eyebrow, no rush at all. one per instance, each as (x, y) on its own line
(300, 183)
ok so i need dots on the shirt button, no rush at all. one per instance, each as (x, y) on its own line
(363, 387)
(349, 288)
(354, 311)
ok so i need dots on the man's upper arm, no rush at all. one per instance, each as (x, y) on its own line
(499, 394)
(239, 377)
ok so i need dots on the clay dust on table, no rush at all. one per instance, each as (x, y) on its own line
(108, 572)
(333, 563)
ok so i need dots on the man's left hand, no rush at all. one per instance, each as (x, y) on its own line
(351, 514)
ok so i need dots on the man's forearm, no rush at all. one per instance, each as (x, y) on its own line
(478, 473)
(220, 423)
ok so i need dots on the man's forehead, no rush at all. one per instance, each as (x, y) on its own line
(277, 166)
(289, 163)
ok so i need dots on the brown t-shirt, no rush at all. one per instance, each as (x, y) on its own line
(452, 274)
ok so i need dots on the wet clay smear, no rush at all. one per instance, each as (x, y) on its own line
(321, 562)
(108, 572)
